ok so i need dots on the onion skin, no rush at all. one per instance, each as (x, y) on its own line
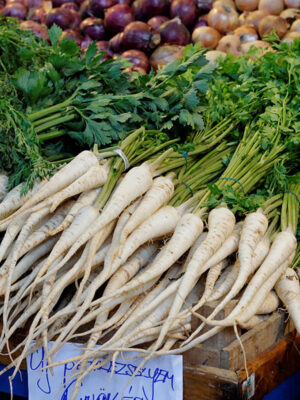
(254, 18)
(246, 34)
(93, 27)
(223, 18)
(165, 54)
(39, 15)
(98, 6)
(267, 24)
(246, 5)
(16, 10)
(186, 10)
(138, 58)
(156, 22)
(36, 28)
(274, 7)
(296, 26)
(117, 17)
(292, 3)
(137, 35)
(208, 36)
(230, 44)
(174, 32)
(115, 44)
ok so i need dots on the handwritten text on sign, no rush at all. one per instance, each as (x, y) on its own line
(159, 379)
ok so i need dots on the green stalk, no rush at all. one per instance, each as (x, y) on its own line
(51, 135)
(55, 122)
(47, 119)
(52, 109)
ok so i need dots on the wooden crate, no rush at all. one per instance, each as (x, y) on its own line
(215, 369)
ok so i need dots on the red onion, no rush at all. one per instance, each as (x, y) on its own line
(246, 34)
(270, 22)
(39, 15)
(36, 28)
(33, 3)
(208, 36)
(273, 7)
(98, 6)
(230, 44)
(200, 22)
(223, 18)
(70, 6)
(117, 17)
(174, 32)
(58, 3)
(156, 22)
(115, 44)
(247, 5)
(60, 17)
(86, 41)
(185, 10)
(137, 10)
(292, 3)
(152, 8)
(79, 2)
(138, 35)
(204, 6)
(134, 68)
(16, 10)
(93, 27)
(165, 54)
(137, 57)
(127, 2)
(71, 34)
(296, 26)
(103, 47)
(76, 17)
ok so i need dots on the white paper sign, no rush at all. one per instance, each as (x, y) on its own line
(159, 379)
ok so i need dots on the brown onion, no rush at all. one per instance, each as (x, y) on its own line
(246, 5)
(228, 3)
(165, 54)
(93, 27)
(254, 18)
(208, 36)
(223, 18)
(292, 3)
(213, 55)
(115, 44)
(134, 68)
(36, 28)
(185, 10)
(296, 26)
(273, 7)
(137, 35)
(290, 14)
(156, 22)
(117, 17)
(290, 37)
(174, 32)
(230, 44)
(270, 22)
(246, 34)
(258, 44)
(137, 57)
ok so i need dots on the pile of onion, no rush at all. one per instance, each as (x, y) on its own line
(151, 33)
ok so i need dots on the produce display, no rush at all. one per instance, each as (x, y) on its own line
(151, 33)
(128, 201)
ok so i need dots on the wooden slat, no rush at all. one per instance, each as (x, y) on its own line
(209, 383)
(255, 341)
(274, 366)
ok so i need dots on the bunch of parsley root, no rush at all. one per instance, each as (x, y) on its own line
(130, 201)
